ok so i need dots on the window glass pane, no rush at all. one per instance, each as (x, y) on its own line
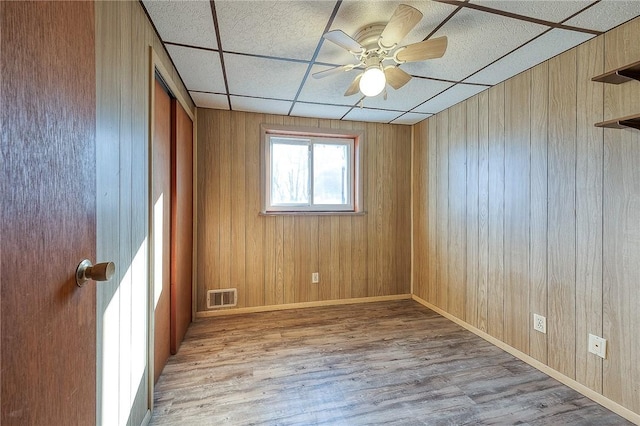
(331, 174)
(289, 172)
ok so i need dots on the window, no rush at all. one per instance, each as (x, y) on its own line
(310, 172)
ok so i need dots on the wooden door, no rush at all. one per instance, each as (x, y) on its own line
(181, 223)
(161, 216)
(47, 223)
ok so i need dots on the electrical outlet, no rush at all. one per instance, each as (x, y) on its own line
(598, 346)
(315, 277)
(540, 323)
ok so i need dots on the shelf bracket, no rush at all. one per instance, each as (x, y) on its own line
(620, 75)
(621, 123)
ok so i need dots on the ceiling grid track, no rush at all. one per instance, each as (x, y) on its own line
(315, 54)
(523, 35)
(553, 26)
(220, 51)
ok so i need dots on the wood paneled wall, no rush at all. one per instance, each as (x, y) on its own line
(123, 36)
(270, 259)
(522, 206)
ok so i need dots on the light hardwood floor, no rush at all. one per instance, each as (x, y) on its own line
(374, 363)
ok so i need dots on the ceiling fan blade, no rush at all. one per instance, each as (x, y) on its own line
(396, 77)
(340, 38)
(355, 86)
(334, 70)
(428, 49)
(403, 20)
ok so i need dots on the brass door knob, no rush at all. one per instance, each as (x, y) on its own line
(99, 272)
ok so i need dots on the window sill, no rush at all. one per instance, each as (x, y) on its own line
(302, 213)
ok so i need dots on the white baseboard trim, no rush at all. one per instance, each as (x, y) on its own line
(269, 308)
(589, 393)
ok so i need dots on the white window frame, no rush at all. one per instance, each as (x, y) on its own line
(311, 137)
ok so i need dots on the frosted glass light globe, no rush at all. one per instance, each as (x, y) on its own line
(372, 81)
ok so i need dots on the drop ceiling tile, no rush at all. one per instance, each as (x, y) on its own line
(411, 118)
(539, 50)
(330, 89)
(263, 78)
(267, 106)
(553, 11)
(209, 100)
(452, 96)
(287, 29)
(200, 69)
(475, 39)
(355, 14)
(607, 14)
(416, 91)
(184, 22)
(301, 109)
(372, 115)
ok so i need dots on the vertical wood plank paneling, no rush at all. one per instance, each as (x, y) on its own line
(237, 195)
(561, 327)
(255, 225)
(457, 198)
(357, 256)
(269, 259)
(225, 221)
(373, 199)
(324, 258)
(345, 246)
(557, 213)
(621, 297)
(289, 260)
(621, 100)
(483, 210)
(336, 283)
(495, 293)
(276, 246)
(208, 162)
(344, 230)
(108, 242)
(589, 173)
(139, 210)
(125, 209)
(442, 254)
(359, 247)
(432, 147)
(516, 200)
(420, 182)
(123, 36)
(538, 211)
(302, 258)
(384, 215)
(401, 135)
(621, 230)
(472, 217)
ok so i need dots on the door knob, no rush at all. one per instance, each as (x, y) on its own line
(99, 272)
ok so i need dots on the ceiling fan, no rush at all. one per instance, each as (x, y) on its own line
(376, 43)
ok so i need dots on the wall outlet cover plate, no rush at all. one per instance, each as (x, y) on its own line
(540, 323)
(598, 346)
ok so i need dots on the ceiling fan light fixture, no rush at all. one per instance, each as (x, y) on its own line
(373, 81)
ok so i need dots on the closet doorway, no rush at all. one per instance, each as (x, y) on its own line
(172, 223)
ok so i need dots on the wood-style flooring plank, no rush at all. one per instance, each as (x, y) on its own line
(374, 363)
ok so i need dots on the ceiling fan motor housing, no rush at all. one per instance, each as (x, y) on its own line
(369, 35)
